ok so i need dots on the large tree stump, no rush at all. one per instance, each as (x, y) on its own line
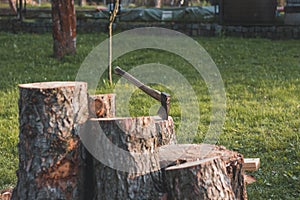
(129, 146)
(50, 163)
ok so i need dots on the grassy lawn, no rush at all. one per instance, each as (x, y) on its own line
(262, 82)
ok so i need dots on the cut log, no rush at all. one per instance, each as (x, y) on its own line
(102, 106)
(202, 171)
(50, 163)
(126, 163)
(202, 179)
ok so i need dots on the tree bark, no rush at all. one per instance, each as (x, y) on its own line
(64, 27)
(157, 3)
(81, 2)
(141, 178)
(203, 172)
(203, 179)
(128, 158)
(12, 5)
(50, 164)
(102, 106)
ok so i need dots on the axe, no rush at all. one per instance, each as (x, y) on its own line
(163, 97)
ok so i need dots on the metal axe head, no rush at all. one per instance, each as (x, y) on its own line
(164, 109)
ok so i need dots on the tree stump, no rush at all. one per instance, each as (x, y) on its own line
(102, 106)
(50, 163)
(128, 163)
(195, 174)
(130, 158)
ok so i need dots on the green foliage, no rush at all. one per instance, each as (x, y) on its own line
(261, 79)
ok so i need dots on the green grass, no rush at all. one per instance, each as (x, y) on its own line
(261, 77)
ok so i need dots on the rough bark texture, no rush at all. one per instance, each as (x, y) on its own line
(203, 172)
(102, 106)
(12, 5)
(50, 163)
(203, 179)
(64, 27)
(128, 158)
(140, 138)
(81, 2)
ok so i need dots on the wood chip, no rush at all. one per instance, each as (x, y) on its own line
(251, 164)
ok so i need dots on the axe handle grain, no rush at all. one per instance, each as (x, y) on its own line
(151, 92)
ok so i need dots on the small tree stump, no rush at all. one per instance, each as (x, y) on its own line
(203, 179)
(132, 145)
(102, 106)
(50, 162)
(196, 174)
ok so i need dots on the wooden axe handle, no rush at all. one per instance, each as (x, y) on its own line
(151, 92)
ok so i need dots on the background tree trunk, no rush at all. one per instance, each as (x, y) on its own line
(158, 4)
(81, 2)
(50, 164)
(64, 27)
(12, 5)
